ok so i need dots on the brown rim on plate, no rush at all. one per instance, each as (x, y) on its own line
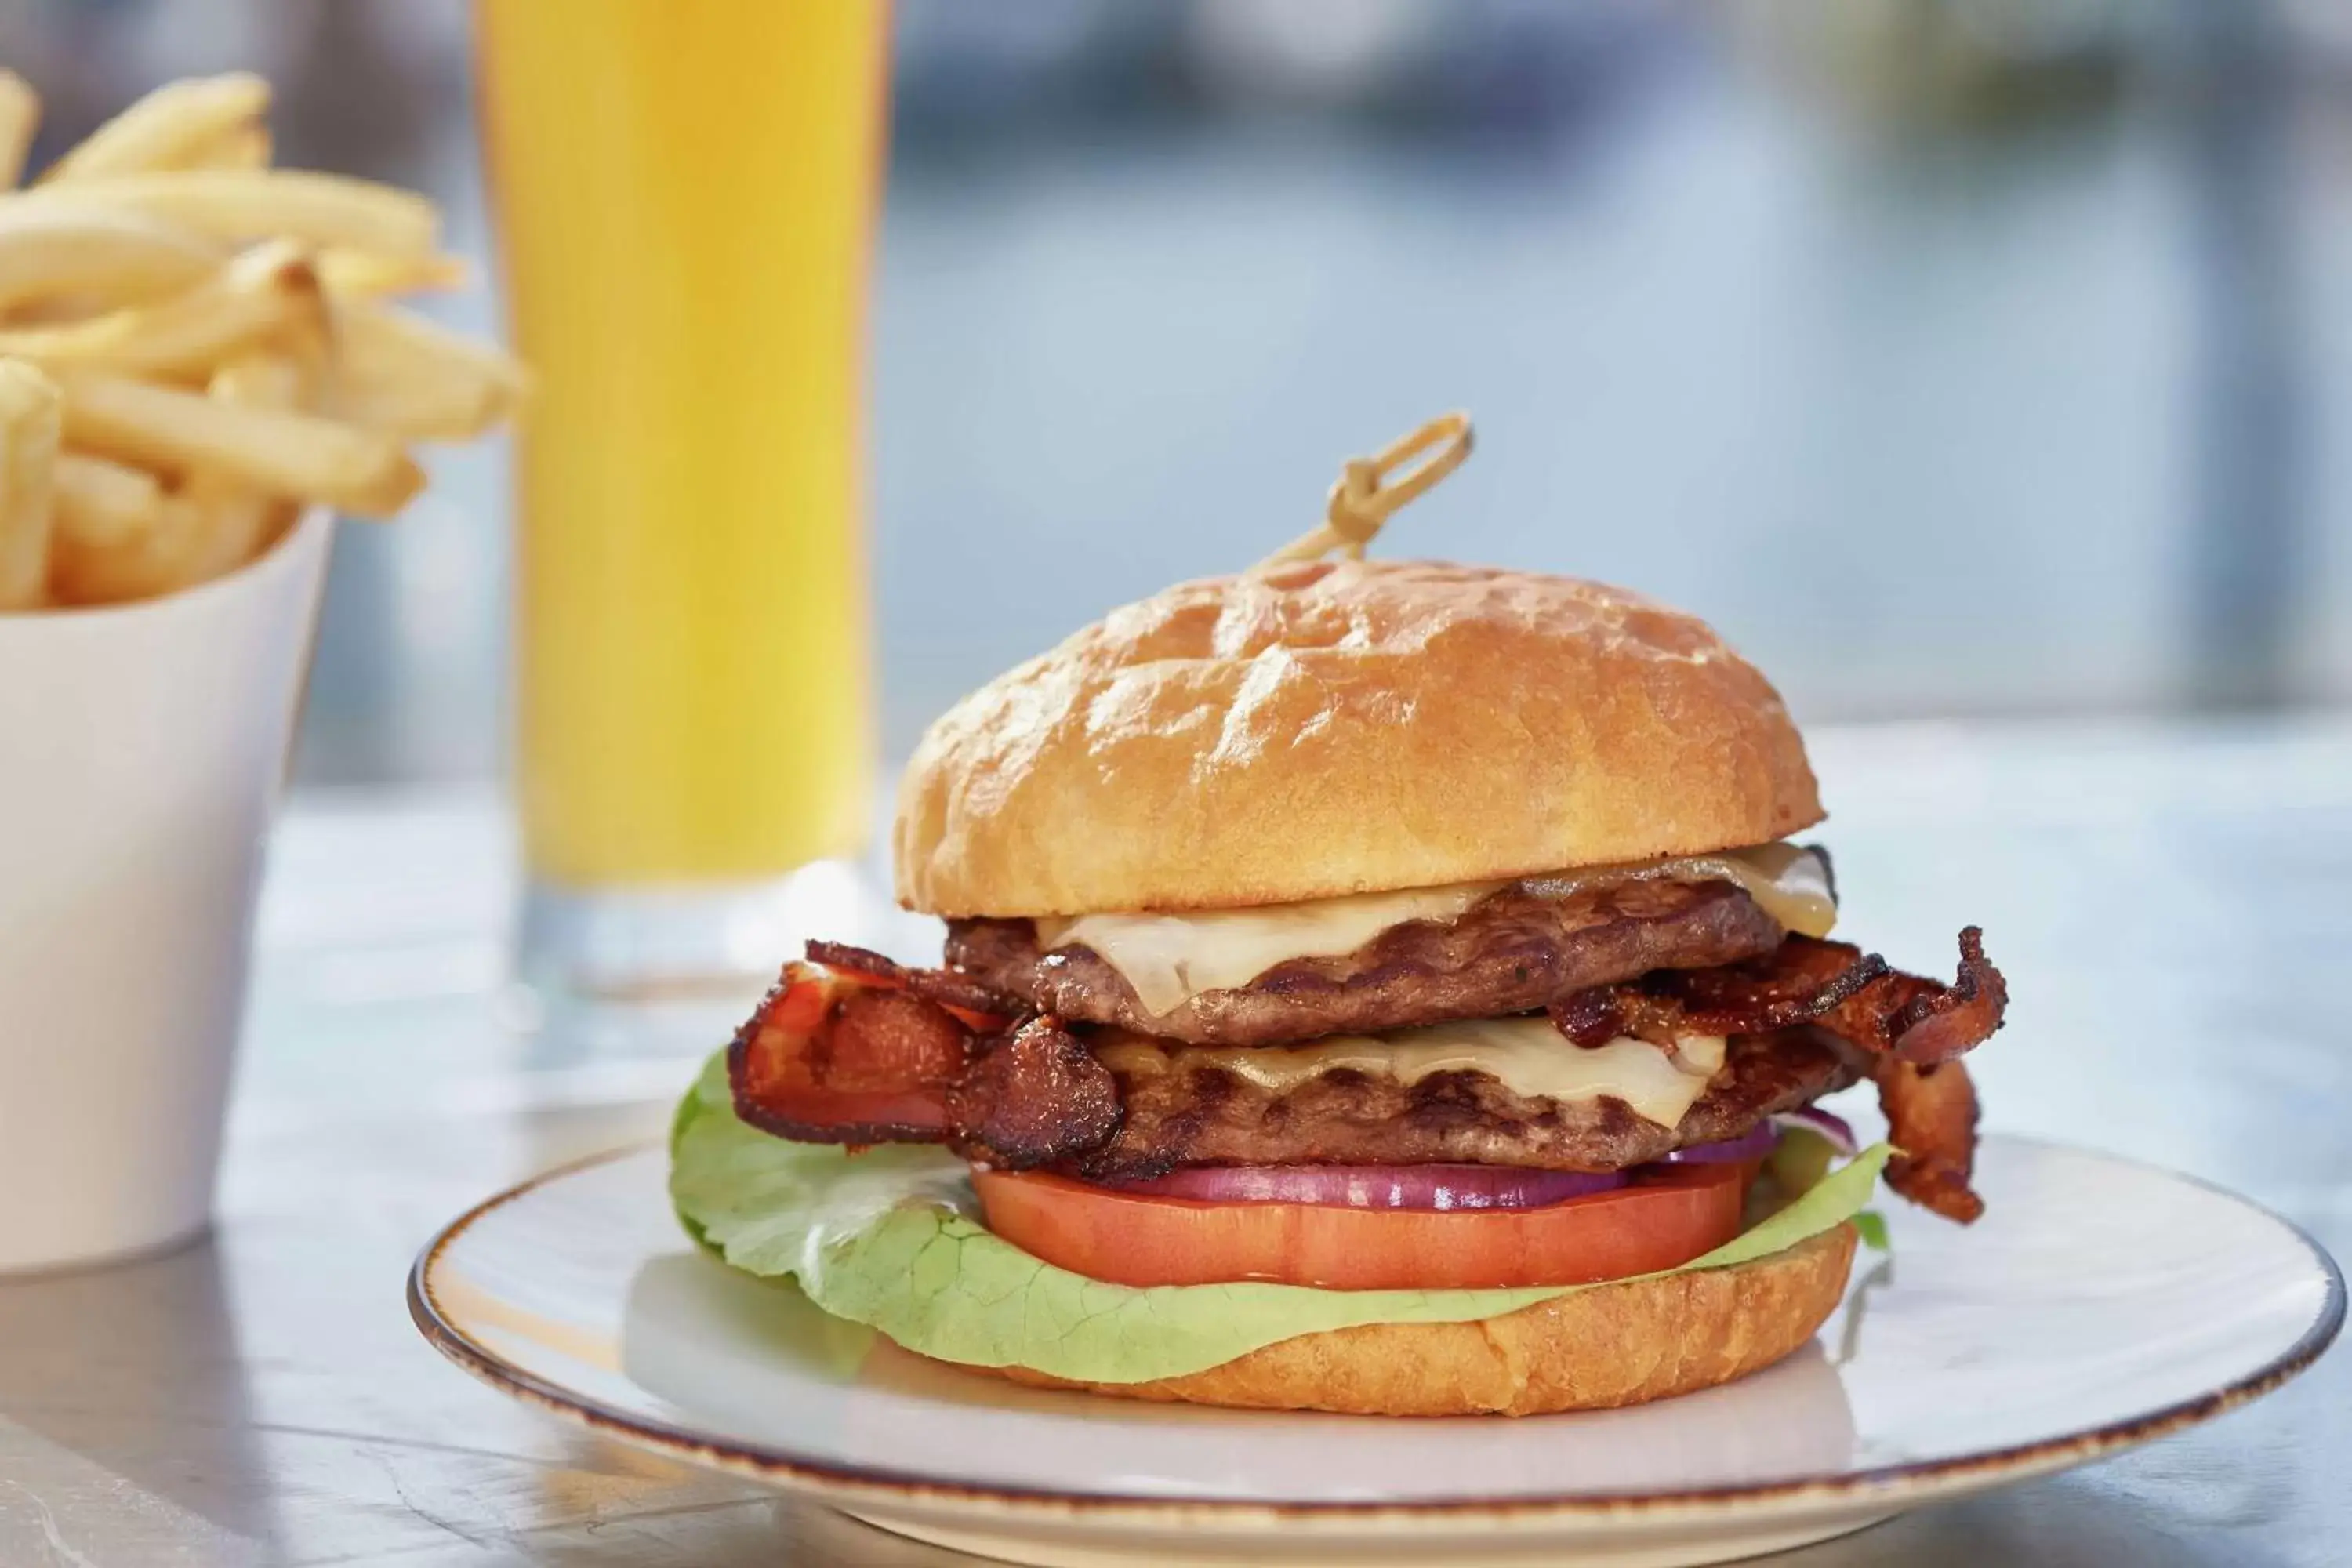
(801, 1473)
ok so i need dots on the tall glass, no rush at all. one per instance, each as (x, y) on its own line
(685, 192)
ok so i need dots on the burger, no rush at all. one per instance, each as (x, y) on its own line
(1377, 986)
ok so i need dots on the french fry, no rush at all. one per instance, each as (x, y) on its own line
(120, 257)
(28, 451)
(102, 504)
(195, 346)
(307, 346)
(212, 526)
(261, 294)
(260, 381)
(299, 456)
(20, 116)
(363, 274)
(168, 129)
(238, 523)
(157, 559)
(245, 147)
(238, 205)
(398, 372)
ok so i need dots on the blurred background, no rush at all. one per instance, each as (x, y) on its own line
(1952, 356)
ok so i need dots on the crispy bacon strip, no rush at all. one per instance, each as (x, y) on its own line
(1833, 984)
(1037, 1096)
(831, 1056)
(1911, 1028)
(1775, 992)
(988, 1011)
(1936, 1023)
(851, 1047)
(1931, 1120)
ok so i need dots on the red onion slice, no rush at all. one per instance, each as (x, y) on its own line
(1378, 1186)
(1752, 1144)
(1828, 1123)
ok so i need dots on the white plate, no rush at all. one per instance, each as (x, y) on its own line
(2097, 1305)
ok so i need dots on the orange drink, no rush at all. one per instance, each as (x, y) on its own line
(685, 194)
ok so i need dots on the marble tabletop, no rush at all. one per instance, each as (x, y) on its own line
(2173, 905)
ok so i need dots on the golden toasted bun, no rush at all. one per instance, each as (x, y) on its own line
(1328, 728)
(1615, 1344)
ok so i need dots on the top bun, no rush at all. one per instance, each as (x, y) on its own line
(1323, 728)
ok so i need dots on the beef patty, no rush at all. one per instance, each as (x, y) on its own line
(1511, 953)
(1206, 1116)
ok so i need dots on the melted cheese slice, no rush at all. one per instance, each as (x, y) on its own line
(1787, 882)
(1529, 1056)
(1169, 958)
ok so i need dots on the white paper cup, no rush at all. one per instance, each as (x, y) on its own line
(141, 750)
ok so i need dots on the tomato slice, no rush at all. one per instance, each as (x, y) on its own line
(1661, 1220)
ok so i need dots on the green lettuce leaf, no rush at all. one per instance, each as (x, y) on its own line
(888, 1238)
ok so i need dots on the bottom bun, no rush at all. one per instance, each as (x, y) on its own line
(1609, 1345)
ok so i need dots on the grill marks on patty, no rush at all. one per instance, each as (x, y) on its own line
(1512, 953)
(1203, 1115)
